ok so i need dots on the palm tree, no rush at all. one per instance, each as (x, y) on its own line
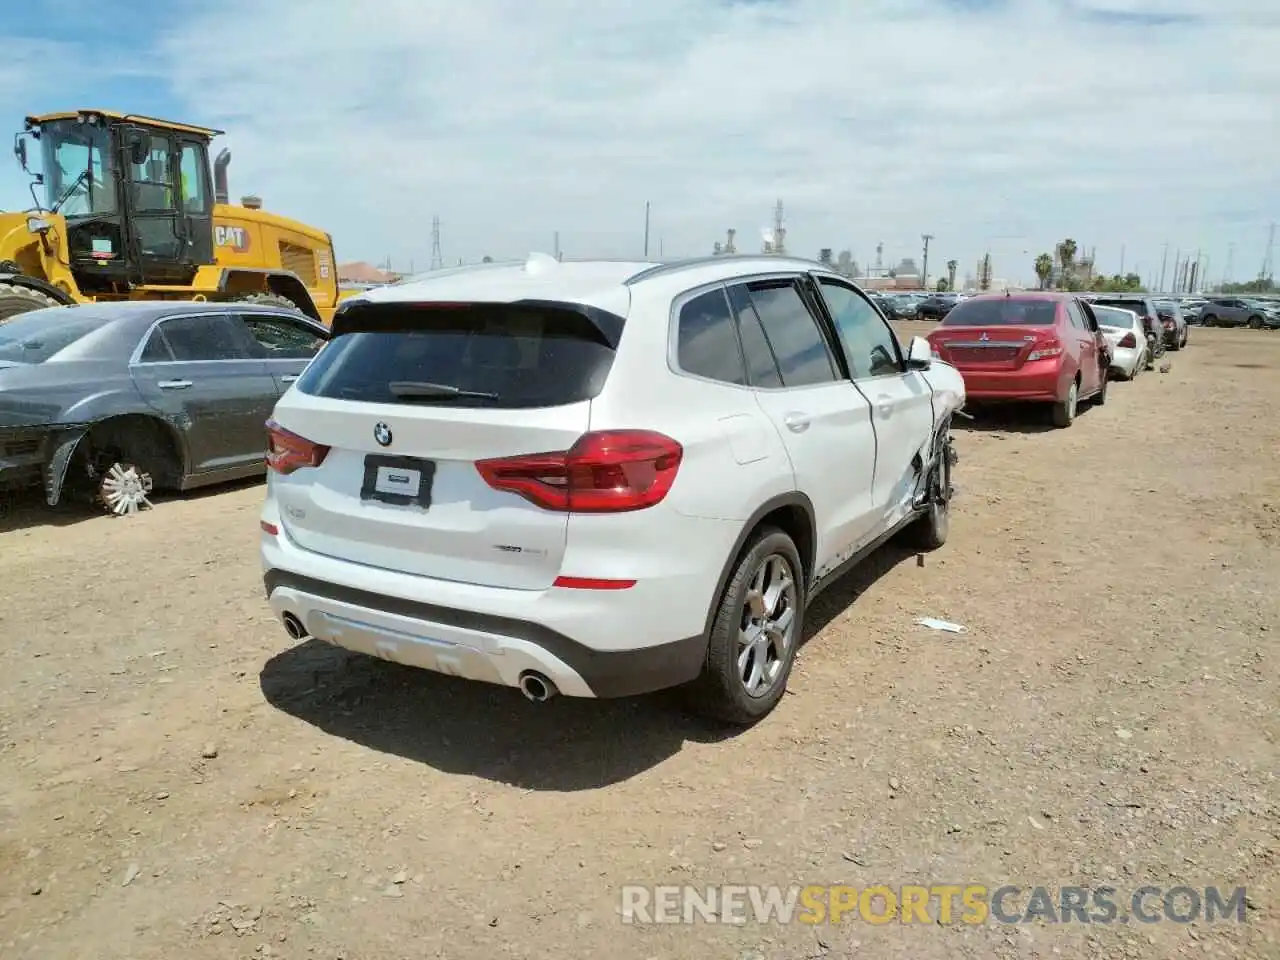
(1044, 269)
(951, 273)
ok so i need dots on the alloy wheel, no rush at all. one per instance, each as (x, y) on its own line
(767, 630)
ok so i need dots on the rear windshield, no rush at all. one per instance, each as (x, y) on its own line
(1002, 311)
(1137, 306)
(36, 336)
(509, 356)
(1114, 317)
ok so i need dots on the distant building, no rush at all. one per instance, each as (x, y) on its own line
(364, 273)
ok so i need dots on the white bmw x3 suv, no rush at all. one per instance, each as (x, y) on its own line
(600, 479)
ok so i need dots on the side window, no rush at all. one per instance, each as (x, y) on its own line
(762, 366)
(191, 178)
(281, 338)
(156, 350)
(706, 341)
(208, 336)
(1075, 316)
(869, 343)
(804, 358)
(152, 183)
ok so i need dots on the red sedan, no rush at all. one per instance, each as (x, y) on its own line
(1027, 347)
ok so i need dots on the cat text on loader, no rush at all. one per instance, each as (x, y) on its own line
(126, 209)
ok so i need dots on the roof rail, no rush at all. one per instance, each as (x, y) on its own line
(673, 266)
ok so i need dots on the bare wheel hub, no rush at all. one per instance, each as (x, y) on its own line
(123, 489)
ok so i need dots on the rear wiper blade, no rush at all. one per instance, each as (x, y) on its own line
(421, 389)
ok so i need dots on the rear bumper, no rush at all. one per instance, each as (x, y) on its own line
(1035, 381)
(589, 643)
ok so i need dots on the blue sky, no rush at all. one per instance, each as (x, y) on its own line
(999, 125)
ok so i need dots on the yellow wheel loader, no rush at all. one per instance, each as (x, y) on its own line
(126, 209)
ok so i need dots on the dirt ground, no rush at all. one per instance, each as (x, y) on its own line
(178, 780)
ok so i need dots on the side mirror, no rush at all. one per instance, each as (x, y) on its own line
(139, 149)
(20, 150)
(919, 354)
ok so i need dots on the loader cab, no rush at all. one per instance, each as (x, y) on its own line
(136, 195)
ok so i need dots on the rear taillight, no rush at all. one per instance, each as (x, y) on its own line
(1128, 340)
(287, 452)
(1169, 325)
(1044, 349)
(609, 471)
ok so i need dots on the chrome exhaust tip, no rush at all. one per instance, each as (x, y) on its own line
(537, 687)
(293, 626)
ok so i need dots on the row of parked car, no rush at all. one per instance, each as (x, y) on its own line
(595, 479)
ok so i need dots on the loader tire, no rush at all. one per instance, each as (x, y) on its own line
(270, 300)
(15, 300)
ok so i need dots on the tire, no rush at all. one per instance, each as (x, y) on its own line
(1176, 345)
(1186, 335)
(1064, 411)
(1255, 323)
(270, 300)
(15, 300)
(721, 691)
(122, 462)
(1100, 398)
(1209, 321)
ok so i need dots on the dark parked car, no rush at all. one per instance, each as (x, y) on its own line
(1146, 310)
(897, 307)
(1240, 312)
(937, 306)
(1174, 322)
(112, 400)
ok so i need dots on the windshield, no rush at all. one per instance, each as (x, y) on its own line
(1002, 311)
(1114, 317)
(77, 162)
(36, 336)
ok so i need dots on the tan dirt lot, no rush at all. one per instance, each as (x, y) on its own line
(178, 781)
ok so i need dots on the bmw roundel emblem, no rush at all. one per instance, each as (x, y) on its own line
(382, 433)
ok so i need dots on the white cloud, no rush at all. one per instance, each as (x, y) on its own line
(1006, 125)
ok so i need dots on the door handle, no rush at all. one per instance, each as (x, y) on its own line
(884, 405)
(173, 384)
(796, 422)
(289, 378)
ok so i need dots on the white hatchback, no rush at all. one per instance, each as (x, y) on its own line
(600, 479)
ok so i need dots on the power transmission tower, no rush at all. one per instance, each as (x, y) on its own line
(437, 261)
(924, 267)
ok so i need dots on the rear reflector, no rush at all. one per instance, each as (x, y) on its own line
(592, 583)
(270, 528)
(1128, 340)
(287, 452)
(610, 471)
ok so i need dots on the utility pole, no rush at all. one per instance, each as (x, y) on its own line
(1231, 257)
(1164, 263)
(924, 267)
(1266, 257)
(646, 229)
(555, 240)
(1122, 260)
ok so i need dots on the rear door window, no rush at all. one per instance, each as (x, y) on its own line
(463, 355)
(707, 343)
(204, 336)
(804, 356)
(283, 338)
(762, 365)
